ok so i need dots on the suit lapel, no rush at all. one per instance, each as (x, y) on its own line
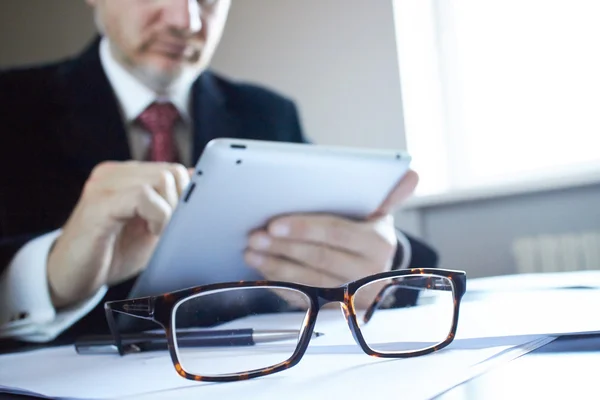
(212, 117)
(96, 132)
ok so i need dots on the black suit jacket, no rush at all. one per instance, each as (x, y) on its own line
(58, 121)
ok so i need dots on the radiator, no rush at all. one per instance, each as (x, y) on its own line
(557, 253)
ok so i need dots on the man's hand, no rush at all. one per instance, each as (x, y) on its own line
(114, 227)
(326, 250)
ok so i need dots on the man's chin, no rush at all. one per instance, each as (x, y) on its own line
(159, 75)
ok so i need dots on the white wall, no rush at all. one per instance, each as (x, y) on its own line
(336, 58)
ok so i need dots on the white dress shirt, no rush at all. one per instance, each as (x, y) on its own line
(26, 310)
(134, 98)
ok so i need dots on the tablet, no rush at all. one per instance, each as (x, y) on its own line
(240, 185)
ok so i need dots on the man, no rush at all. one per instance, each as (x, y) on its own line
(94, 151)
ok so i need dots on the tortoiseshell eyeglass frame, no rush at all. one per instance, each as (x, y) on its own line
(159, 309)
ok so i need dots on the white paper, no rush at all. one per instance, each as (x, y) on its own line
(61, 373)
(536, 281)
(551, 312)
(334, 367)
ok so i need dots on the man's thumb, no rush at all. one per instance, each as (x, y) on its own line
(403, 190)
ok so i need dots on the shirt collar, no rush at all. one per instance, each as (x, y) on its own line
(134, 97)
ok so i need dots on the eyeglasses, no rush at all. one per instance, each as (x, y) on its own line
(200, 349)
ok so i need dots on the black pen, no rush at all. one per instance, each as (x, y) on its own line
(149, 341)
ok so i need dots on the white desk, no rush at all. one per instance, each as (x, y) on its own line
(491, 333)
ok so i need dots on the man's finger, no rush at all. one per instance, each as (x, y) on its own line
(332, 231)
(143, 201)
(338, 263)
(119, 177)
(165, 184)
(399, 194)
(182, 177)
(280, 269)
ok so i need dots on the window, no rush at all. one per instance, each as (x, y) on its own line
(499, 92)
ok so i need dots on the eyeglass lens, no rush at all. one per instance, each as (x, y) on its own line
(253, 349)
(425, 324)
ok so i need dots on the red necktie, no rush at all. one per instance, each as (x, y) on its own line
(159, 119)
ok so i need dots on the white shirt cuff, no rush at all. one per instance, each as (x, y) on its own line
(406, 249)
(26, 309)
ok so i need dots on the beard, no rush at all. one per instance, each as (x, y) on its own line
(154, 78)
(160, 80)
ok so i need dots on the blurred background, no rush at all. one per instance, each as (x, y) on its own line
(497, 101)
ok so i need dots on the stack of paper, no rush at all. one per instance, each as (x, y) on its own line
(333, 367)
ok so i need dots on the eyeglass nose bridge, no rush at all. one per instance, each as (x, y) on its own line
(331, 295)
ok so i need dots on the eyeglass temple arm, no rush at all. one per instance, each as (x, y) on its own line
(378, 300)
(392, 286)
(139, 308)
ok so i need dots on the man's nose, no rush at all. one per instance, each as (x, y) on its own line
(185, 15)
